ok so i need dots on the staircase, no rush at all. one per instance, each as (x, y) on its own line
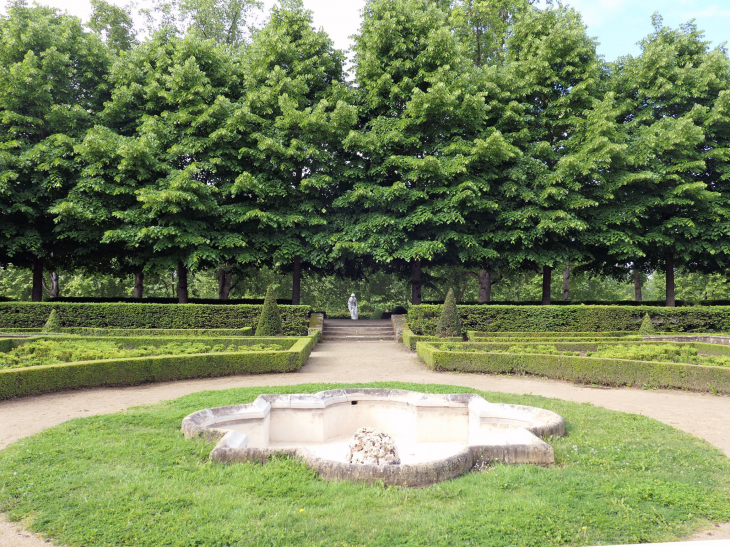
(361, 330)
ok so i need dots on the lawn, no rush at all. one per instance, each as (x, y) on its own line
(130, 478)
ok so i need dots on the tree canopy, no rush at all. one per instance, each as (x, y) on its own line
(486, 136)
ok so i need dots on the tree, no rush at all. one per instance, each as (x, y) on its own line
(114, 24)
(551, 90)
(223, 21)
(52, 83)
(298, 112)
(158, 172)
(671, 196)
(483, 26)
(421, 141)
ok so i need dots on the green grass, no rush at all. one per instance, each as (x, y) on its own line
(130, 478)
(54, 351)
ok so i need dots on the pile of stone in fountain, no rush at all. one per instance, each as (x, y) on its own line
(372, 447)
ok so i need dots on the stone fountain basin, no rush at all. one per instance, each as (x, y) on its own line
(438, 436)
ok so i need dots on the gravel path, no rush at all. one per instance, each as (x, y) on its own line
(705, 416)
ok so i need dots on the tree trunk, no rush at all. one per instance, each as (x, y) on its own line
(182, 283)
(566, 283)
(416, 282)
(296, 281)
(637, 286)
(670, 279)
(138, 285)
(485, 286)
(53, 288)
(37, 292)
(225, 275)
(547, 277)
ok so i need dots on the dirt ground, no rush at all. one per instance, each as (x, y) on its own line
(703, 415)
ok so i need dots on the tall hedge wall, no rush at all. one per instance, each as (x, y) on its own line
(422, 319)
(295, 319)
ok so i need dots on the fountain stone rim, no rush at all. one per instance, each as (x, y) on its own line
(497, 433)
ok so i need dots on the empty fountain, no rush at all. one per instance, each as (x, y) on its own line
(438, 436)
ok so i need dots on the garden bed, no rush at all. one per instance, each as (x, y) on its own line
(563, 364)
(34, 380)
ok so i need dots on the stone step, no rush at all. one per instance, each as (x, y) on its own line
(358, 338)
(355, 331)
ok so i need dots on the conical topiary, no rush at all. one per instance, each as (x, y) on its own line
(647, 327)
(53, 324)
(449, 322)
(270, 320)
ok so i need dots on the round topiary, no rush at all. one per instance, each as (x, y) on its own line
(53, 324)
(449, 322)
(270, 319)
(647, 327)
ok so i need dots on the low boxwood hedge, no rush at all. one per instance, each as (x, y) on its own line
(422, 318)
(21, 382)
(556, 337)
(13, 315)
(588, 370)
(410, 340)
(519, 334)
(588, 344)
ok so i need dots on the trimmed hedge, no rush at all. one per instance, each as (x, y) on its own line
(608, 334)
(161, 300)
(88, 331)
(589, 370)
(20, 382)
(422, 318)
(590, 344)
(410, 340)
(295, 319)
(652, 303)
(556, 338)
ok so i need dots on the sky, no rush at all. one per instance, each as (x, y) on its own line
(617, 24)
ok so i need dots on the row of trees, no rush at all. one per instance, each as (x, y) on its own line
(487, 134)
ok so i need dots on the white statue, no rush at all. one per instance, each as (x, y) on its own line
(352, 306)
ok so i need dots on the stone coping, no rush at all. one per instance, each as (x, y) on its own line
(509, 433)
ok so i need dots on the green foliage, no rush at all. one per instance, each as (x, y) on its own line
(547, 109)
(294, 319)
(377, 313)
(52, 85)
(224, 21)
(157, 169)
(484, 25)
(424, 157)
(672, 187)
(54, 351)
(100, 464)
(449, 324)
(647, 327)
(270, 318)
(423, 319)
(20, 382)
(297, 113)
(587, 370)
(53, 324)
(115, 24)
